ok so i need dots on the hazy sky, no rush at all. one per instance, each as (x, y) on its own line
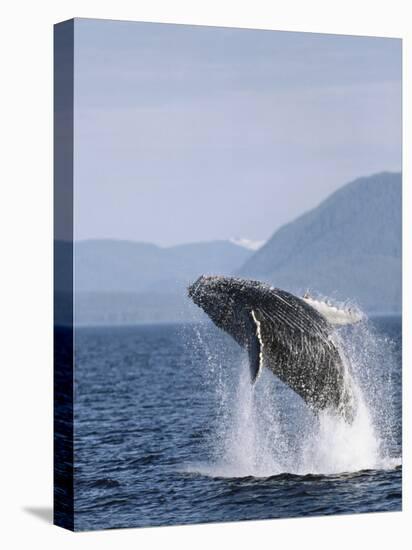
(187, 133)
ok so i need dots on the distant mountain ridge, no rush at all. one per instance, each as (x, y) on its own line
(348, 247)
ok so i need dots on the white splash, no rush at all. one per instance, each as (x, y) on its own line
(266, 429)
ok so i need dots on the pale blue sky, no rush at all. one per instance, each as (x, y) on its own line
(186, 133)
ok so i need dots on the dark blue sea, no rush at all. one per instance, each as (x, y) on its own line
(168, 430)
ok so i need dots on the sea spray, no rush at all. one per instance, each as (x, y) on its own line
(265, 429)
(250, 440)
(372, 358)
(335, 446)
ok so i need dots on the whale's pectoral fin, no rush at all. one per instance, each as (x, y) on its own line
(255, 346)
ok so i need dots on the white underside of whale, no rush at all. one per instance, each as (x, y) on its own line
(333, 314)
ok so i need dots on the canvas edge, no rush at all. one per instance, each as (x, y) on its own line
(63, 352)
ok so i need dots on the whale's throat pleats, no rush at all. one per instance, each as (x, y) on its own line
(255, 346)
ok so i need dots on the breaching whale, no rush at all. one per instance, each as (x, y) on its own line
(284, 333)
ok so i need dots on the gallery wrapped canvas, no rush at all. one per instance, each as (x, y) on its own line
(227, 274)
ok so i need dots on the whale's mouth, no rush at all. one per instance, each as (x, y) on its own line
(205, 291)
(194, 288)
(199, 293)
(208, 293)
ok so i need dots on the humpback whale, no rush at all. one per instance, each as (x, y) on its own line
(289, 335)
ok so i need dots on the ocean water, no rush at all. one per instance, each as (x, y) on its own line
(168, 430)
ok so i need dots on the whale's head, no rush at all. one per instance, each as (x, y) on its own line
(226, 300)
(216, 296)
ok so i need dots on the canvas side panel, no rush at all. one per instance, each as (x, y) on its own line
(63, 275)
